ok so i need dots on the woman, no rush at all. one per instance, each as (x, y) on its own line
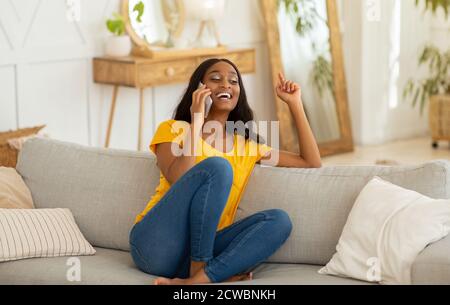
(186, 234)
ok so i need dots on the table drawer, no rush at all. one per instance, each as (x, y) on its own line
(164, 73)
(114, 73)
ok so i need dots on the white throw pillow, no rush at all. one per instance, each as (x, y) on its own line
(28, 233)
(385, 231)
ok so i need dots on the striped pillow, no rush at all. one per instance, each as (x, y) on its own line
(27, 233)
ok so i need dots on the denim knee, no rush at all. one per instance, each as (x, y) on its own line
(219, 166)
(282, 221)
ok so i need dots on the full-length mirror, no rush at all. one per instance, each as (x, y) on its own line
(154, 23)
(305, 44)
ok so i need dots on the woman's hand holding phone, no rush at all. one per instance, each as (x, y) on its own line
(199, 100)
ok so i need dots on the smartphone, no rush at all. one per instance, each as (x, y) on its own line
(208, 103)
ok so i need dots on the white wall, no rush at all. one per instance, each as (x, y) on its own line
(45, 66)
(368, 44)
(46, 72)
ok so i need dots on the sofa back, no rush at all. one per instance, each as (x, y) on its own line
(320, 200)
(106, 189)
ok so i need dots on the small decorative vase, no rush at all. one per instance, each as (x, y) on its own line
(170, 41)
(118, 46)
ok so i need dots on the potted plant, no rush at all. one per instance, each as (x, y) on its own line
(434, 88)
(119, 44)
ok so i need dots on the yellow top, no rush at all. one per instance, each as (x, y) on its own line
(243, 157)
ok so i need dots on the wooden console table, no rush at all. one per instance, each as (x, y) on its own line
(142, 73)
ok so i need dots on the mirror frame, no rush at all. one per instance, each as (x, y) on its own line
(135, 37)
(288, 131)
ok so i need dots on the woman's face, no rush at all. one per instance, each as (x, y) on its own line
(223, 81)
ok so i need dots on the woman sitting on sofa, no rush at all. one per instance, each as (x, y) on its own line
(187, 234)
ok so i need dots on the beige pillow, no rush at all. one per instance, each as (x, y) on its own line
(14, 194)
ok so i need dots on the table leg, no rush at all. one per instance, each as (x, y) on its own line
(141, 117)
(111, 115)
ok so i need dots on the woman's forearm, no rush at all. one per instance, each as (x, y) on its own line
(309, 150)
(186, 161)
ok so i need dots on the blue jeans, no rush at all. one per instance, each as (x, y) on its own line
(182, 227)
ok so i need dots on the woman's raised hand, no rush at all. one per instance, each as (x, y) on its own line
(288, 91)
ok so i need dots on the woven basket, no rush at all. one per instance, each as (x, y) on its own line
(440, 117)
(8, 155)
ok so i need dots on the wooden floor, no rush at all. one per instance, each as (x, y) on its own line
(406, 152)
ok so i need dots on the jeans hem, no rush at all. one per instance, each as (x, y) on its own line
(201, 259)
(211, 277)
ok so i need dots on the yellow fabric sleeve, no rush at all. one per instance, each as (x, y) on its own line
(258, 151)
(263, 150)
(169, 132)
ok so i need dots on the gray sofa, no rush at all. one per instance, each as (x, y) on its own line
(106, 189)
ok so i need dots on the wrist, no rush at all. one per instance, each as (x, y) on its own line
(296, 104)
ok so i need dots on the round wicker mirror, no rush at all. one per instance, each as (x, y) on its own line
(153, 23)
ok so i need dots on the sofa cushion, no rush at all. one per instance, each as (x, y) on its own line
(295, 274)
(105, 267)
(319, 201)
(432, 266)
(113, 267)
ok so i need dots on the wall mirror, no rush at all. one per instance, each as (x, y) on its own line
(305, 44)
(153, 24)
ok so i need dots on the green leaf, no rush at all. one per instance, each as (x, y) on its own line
(422, 102)
(416, 97)
(303, 14)
(117, 25)
(434, 5)
(139, 7)
(299, 27)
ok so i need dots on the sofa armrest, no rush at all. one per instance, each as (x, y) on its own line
(432, 265)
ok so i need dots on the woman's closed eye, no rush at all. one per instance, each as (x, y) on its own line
(231, 81)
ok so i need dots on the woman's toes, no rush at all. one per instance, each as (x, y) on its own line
(162, 281)
(241, 277)
(176, 281)
(248, 276)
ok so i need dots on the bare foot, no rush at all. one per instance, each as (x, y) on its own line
(196, 267)
(199, 278)
(241, 277)
(166, 281)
